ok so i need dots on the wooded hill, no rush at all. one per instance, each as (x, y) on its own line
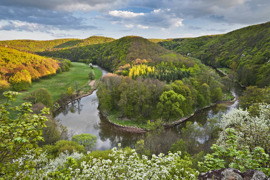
(18, 69)
(39, 46)
(114, 54)
(245, 51)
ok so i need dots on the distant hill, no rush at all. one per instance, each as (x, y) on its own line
(120, 52)
(39, 46)
(246, 51)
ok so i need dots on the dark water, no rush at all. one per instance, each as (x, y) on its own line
(83, 116)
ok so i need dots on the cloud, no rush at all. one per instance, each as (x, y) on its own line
(125, 14)
(228, 11)
(65, 5)
(161, 18)
(21, 26)
(32, 16)
(142, 26)
(129, 26)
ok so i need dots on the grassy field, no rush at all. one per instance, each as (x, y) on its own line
(59, 83)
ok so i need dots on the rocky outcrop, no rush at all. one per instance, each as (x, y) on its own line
(233, 174)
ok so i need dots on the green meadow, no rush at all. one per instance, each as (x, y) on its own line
(59, 83)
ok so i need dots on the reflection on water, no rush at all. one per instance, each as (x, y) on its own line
(83, 116)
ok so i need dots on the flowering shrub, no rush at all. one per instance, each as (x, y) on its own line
(243, 142)
(249, 130)
(121, 164)
(230, 156)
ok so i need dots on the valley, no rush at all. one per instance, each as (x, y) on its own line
(98, 88)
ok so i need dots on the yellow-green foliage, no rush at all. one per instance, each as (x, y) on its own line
(115, 54)
(139, 70)
(39, 46)
(20, 68)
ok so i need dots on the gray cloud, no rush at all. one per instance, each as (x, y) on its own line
(230, 11)
(53, 15)
(64, 5)
(60, 20)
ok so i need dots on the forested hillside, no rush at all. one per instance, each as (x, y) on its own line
(150, 75)
(245, 51)
(39, 46)
(120, 52)
(18, 69)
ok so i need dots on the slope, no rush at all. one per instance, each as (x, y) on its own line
(246, 51)
(120, 52)
(39, 46)
(18, 69)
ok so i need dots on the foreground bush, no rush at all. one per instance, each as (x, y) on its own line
(18, 136)
(121, 164)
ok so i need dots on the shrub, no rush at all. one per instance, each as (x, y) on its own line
(87, 140)
(41, 95)
(62, 146)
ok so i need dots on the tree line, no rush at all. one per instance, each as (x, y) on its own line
(148, 98)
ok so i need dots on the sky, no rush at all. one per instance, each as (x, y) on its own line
(55, 19)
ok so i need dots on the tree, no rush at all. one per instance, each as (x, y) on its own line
(216, 94)
(92, 74)
(170, 105)
(254, 95)
(251, 131)
(87, 140)
(229, 156)
(205, 91)
(61, 147)
(41, 95)
(20, 80)
(19, 135)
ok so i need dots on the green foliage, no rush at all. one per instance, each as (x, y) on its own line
(254, 95)
(39, 46)
(41, 95)
(70, 91)
(51, 133)
(132, 98)
(245, 51)
(61, 147)
(19, 135)
(140, 148)
(170, 105)
(117, 53)
(92, 74)
(87, 140)
(229, 156)
(179, 146)
(141, 98)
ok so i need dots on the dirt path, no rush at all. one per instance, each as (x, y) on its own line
(92, 83)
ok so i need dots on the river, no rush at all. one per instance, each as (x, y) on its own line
(83, 116)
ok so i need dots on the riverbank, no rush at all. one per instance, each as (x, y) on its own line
(219, 70)
(134, 127)
(86, 90)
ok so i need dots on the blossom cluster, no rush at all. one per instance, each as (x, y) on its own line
(121, 164)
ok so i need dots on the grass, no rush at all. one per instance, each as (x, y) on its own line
(59, 83)
(113, 117)
(227, 96)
